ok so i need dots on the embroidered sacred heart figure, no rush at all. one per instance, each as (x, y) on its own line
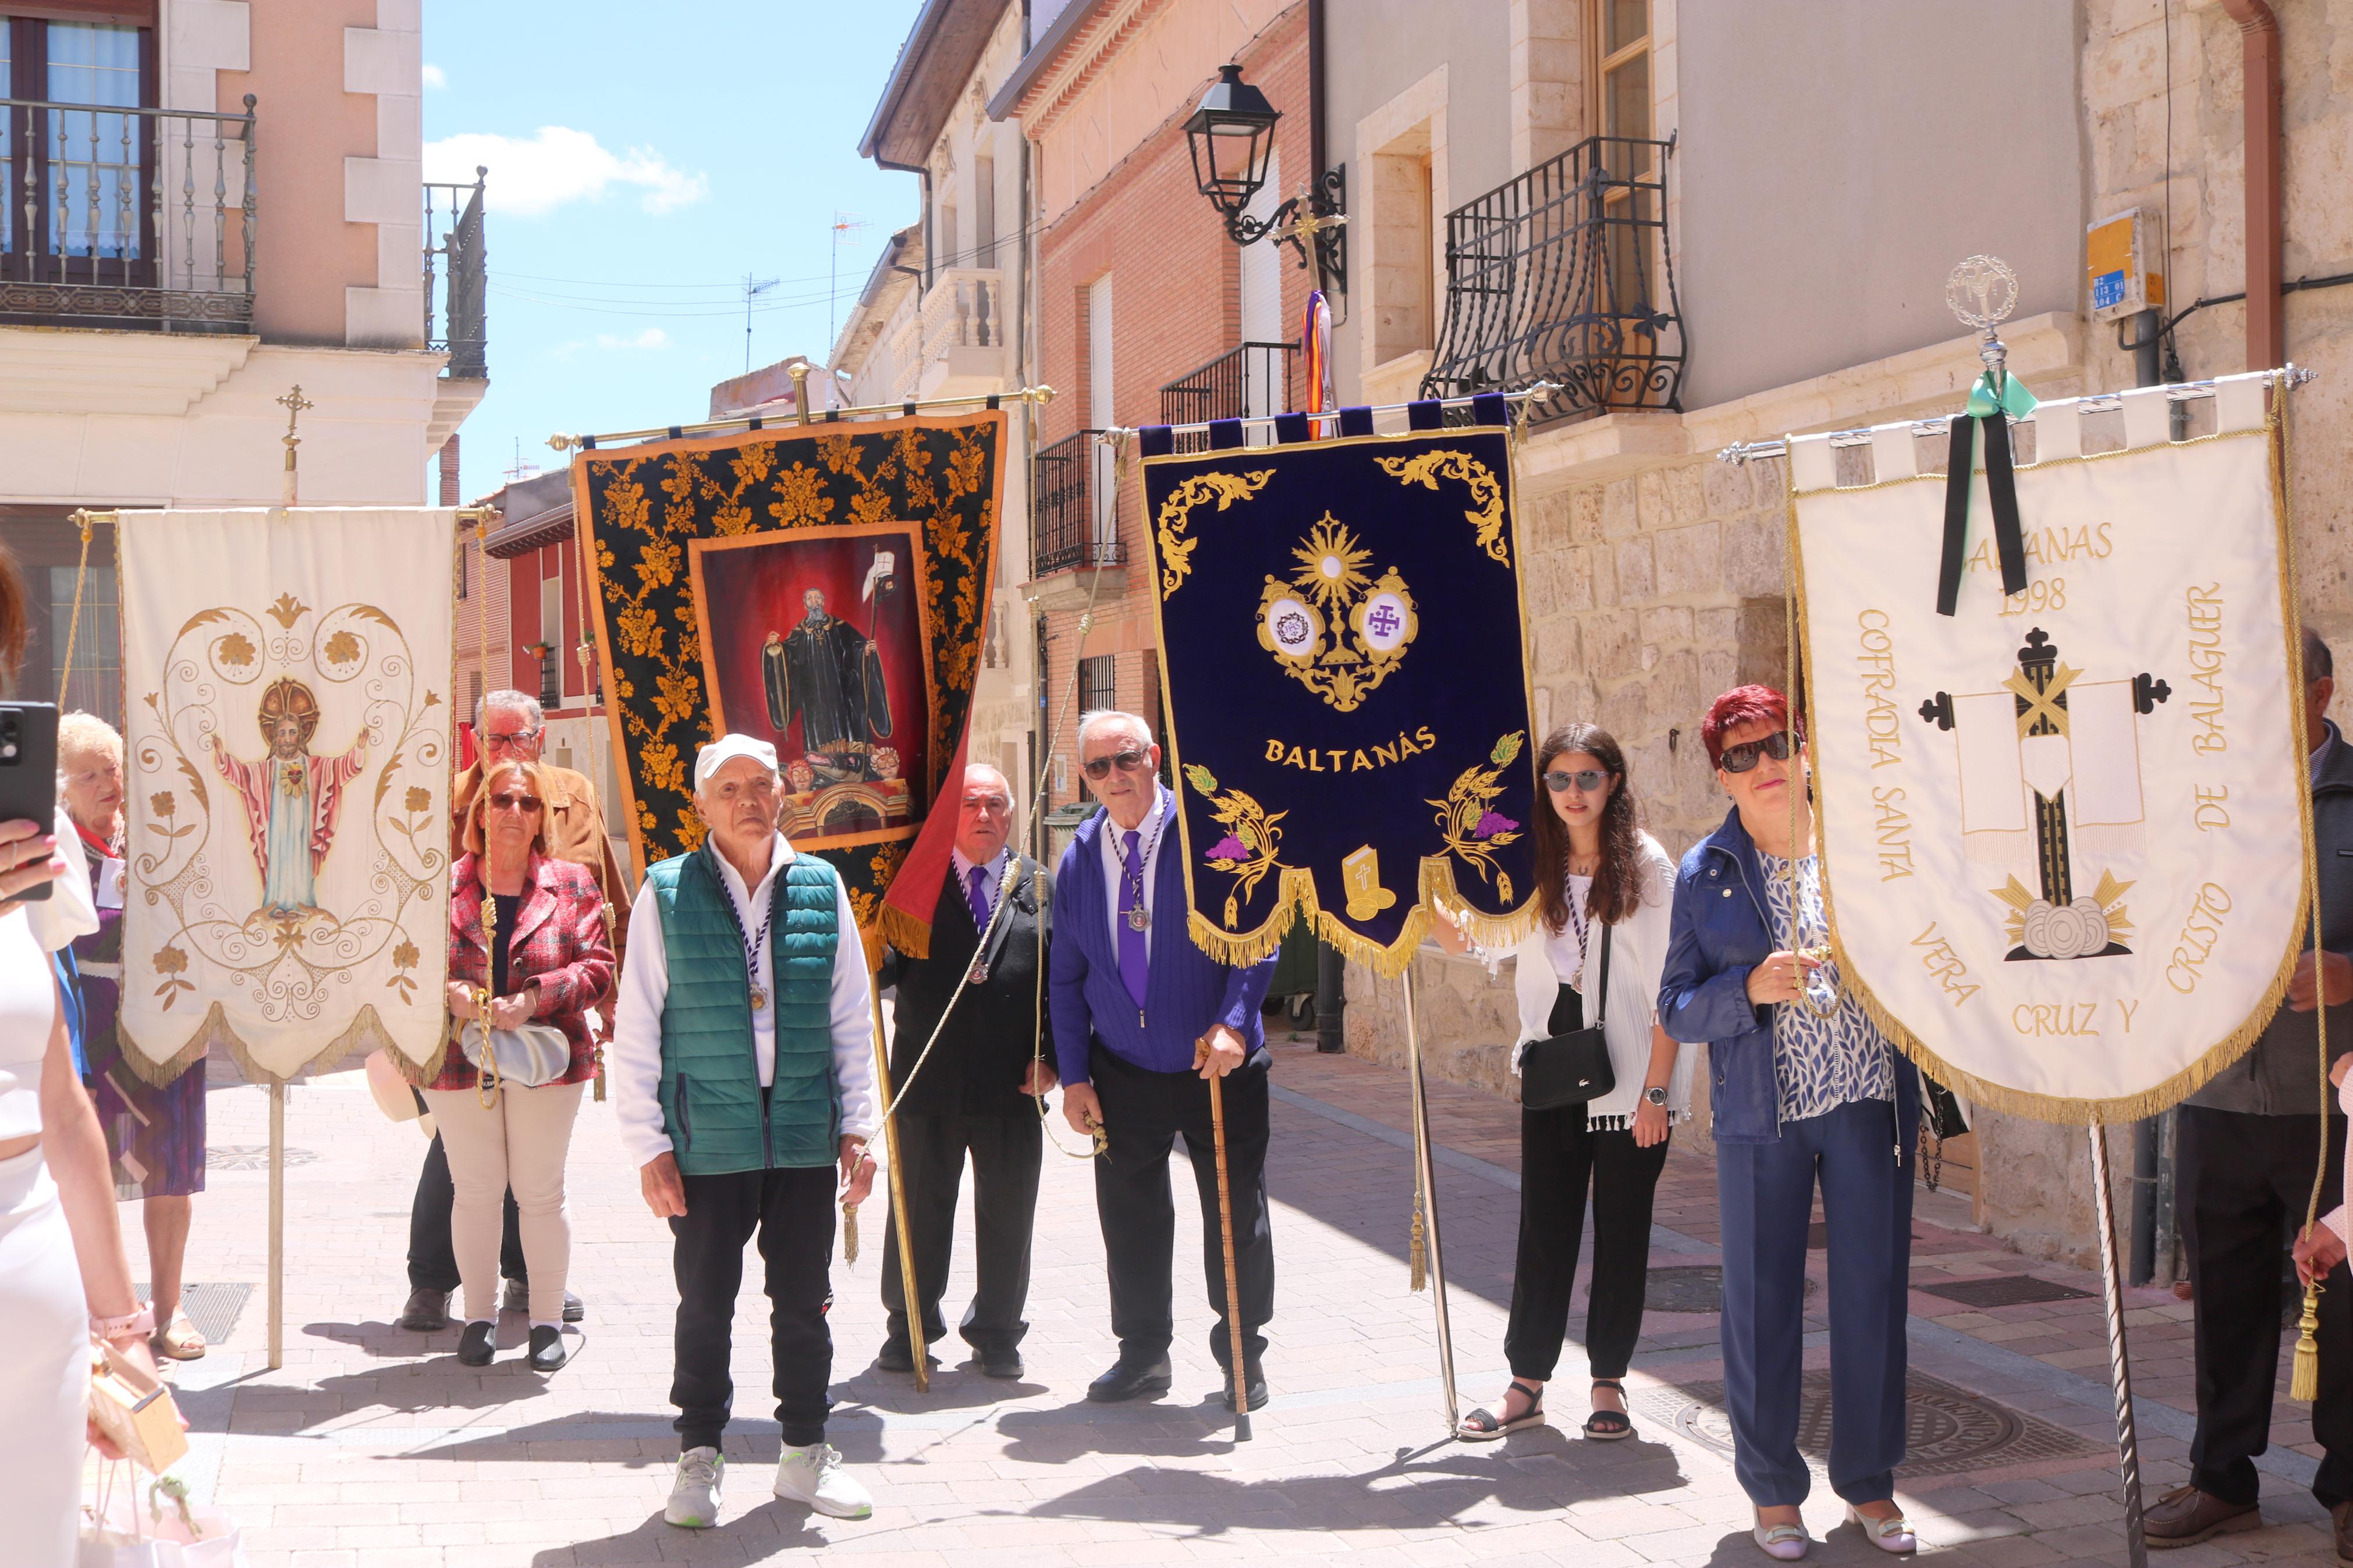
(1337, 631)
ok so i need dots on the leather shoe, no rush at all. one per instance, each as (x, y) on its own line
(516, 1297)
(2342, 1517)
(897, 1355)
(547, 1351)
(477, 1345)
(1254, 1380)
(427, 1311)
(1001, 1364)
(1130, 1380)
(2186, 1516)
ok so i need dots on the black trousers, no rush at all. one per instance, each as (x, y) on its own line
(1143, 1113)
(2244, 1181)
(1560, 1157)
(792, 1210)
(432, 1262)
(1005, 1152)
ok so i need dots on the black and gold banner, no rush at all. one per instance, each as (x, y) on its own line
(1347, 704)
(822, 588)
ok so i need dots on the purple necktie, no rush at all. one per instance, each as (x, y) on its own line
(1134, 950)
(979, 896)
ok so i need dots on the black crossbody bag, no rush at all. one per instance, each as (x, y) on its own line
(1571, 1068)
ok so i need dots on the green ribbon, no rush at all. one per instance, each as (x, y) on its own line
(2015, 400)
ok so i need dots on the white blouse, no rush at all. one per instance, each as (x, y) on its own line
(29, 932)
(1545, 961)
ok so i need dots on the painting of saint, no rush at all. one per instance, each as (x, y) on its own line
(290, 796)
(816, 641)
(828, 675)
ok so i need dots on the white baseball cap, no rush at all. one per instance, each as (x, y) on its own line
(725, 750)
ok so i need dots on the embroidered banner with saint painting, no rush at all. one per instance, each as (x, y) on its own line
(2062, 828)
(824, 588)
(287, 761)
(1347, 703)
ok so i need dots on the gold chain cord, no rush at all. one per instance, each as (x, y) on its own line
(1801, 789)
(73, 626)
(586, 652)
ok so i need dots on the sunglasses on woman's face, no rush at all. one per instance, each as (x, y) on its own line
(1739, 759)
(1127, 762)
(516, 801)
(1588, 781)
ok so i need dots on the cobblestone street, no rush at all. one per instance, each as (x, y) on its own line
(374, 1449)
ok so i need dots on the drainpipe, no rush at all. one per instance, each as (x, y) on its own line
(2259, 42)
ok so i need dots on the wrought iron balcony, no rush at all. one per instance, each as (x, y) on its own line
(453, 229)
(1249, 382)
(1073, 507)
(1565, 274)
(122, 217)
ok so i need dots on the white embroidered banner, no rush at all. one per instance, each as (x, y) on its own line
(288, 729)
(2062, 828)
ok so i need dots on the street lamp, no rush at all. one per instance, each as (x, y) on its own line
(1231, 137)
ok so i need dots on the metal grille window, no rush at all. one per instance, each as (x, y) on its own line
(1064, 528)
(1250, 382)
(1098, 684)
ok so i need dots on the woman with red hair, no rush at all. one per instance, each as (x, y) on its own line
(1804, 1089)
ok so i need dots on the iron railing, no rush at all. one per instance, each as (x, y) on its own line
(125, 216)
(1249, 382)
(551, 683)
(453, 229)
(1072, 515)
(1567, 274)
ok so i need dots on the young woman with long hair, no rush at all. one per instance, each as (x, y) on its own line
(1599, 877)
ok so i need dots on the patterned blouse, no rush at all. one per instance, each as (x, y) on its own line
(1822, 1063)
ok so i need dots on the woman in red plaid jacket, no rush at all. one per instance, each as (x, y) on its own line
(546, 963)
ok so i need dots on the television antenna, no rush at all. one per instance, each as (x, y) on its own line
(752, 289)
(843, 223)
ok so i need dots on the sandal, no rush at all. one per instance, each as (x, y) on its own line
(178, 1339)
(1610, 1425)
(1482, 1426)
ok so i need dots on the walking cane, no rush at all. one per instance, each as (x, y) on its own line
(1233, 1280)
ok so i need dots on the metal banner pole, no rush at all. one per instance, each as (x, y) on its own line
(2119, 1365)
(1428, 1179)
(277, 1224)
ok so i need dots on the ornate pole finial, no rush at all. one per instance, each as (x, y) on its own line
(294, 403)
(798, 369)
(1982, 291)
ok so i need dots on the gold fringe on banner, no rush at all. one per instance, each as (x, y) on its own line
(903, 931)
(1296, 897)
(2062, 1109)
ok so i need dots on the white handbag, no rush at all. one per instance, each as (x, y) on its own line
(529, 1057)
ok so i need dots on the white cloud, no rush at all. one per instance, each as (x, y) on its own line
(534, 176)
(436, 78)
(651, 338)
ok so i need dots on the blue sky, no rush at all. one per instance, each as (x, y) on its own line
(643, 160)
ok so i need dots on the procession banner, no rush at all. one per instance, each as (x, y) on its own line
(824, 588)
(286, 678)
(1347, 703)
(2063, 832)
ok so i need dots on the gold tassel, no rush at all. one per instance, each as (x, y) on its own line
(849, 1235)
(599, 1093)
(2304, 1382)
(1417, 1252)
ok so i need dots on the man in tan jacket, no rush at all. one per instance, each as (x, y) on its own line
(508, 724)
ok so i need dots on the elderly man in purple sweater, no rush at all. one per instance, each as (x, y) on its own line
(1142, 1020)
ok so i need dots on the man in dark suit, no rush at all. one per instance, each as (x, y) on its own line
(1142, 1020)
(977, 1092)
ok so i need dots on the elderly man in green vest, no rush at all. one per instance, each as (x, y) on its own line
(743, 1078)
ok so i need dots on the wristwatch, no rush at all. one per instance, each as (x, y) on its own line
(138, 1324)
(1655, 1095)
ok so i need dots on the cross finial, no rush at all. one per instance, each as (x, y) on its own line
(294, 403)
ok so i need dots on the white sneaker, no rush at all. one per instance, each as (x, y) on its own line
(694, 1490)
(816, 1476)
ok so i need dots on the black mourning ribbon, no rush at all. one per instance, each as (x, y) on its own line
(2001, 493)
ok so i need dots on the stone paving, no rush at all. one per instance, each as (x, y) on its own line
(374, 1449)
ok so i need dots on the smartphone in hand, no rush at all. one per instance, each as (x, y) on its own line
(28, 769)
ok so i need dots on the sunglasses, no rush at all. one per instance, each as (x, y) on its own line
(1587, 780)
(1739, 759)
(516, 801)
(1127, 762)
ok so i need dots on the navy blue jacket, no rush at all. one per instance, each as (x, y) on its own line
(1719, 932)
(1186, 992)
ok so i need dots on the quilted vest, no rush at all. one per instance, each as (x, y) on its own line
(717, 1117)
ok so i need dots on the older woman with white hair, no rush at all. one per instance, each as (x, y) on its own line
(743, 1074)
(154, 1132)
